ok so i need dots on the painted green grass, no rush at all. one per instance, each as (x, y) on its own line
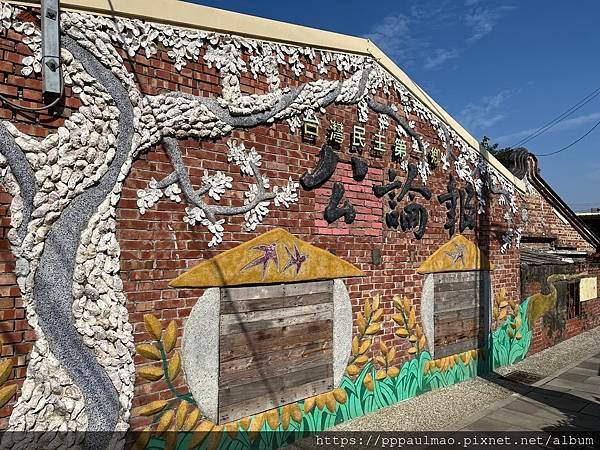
(411, 381)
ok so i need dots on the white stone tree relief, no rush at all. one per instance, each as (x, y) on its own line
(256, 200)
(66, 187)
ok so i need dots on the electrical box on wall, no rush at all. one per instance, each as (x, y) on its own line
(51, 74)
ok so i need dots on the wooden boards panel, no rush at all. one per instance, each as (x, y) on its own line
(460, 311)
(275, 346)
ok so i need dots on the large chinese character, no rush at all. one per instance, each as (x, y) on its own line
(414, 215)
(450, 198)
(411, 216)
(323, 170)
(333, 212)
(467, 209)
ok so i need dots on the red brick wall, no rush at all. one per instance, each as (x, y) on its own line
(545, 223)
(158, 246)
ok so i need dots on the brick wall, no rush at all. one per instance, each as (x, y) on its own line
(158, 246)
(546, 223)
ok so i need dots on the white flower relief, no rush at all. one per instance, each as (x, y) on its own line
(148, 197)
(383, 122)
(294, 123)
(363, 111)
(218, 184)
(256, 215)
(195, 216)
(242, 158)
(173, 192)
(286, 195)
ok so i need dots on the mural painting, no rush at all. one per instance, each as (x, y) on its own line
(374, 374)
(285, 335)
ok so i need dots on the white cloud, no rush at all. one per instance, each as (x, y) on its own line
(393, 35)
(510, 139)
(482, 21)
(486, 113)
(410, 37)
(438, 57)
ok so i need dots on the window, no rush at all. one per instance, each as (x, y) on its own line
(456, 311)
(275, 346)
(573, 303)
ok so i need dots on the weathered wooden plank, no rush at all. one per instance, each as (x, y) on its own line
(273, 386)
(456, 347)
(265, 359)
(271, 334)
(453, 277)
(228, 353)
(279, 313)
(273, 367)
(252, 292)
(275, 290)
(468, 286)
(454, 301)
(455, 327)
(311, 287)
(459, 314)
(266, 402)
(264, 304)
(244, 327)
(324, 309)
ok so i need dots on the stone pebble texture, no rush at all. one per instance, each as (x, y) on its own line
(158, 246)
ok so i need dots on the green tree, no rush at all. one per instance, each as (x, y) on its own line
(493, 148)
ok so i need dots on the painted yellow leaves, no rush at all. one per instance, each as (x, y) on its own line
(406, 317)
(448, 362)
(504, 309)
(327, 400)
(6, 392)
(159, 350)
(368, 323)
(178, 414)
(385, 363)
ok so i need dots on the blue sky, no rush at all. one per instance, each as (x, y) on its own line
(501, 68)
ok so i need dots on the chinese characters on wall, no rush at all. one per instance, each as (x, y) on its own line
(404, 197)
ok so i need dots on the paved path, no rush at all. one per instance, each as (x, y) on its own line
(566, 400)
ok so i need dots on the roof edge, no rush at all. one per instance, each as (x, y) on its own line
(191, 15)
(557, 202)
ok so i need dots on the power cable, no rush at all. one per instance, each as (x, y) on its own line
(39, 108)
(581, 103)
(572, 143)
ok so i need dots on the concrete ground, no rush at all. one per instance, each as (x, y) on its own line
(451, 408)
(567, 400)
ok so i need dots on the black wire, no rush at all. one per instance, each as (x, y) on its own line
(559, 118)
(39, 108)
(572, 143)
